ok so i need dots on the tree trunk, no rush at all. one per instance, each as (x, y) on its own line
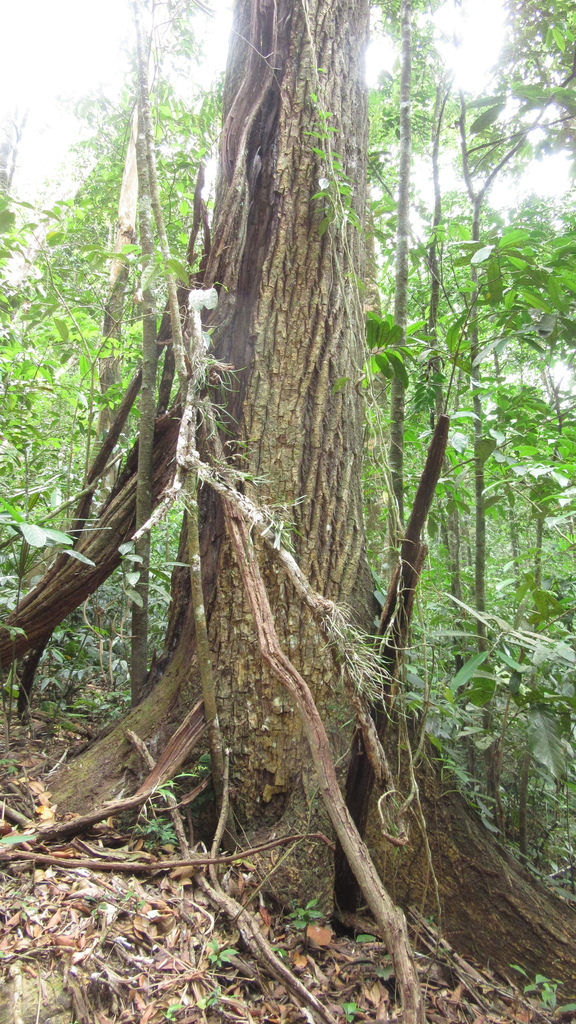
(109, 365)
(290, 323)
(397, 391)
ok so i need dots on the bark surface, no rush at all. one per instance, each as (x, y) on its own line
(290, 323)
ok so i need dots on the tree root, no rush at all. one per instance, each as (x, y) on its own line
(390, 918)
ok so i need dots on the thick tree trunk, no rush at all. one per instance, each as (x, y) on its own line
(492, 909)
(290, 323)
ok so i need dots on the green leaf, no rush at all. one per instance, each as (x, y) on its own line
(339, 384)
(513, 237)
(398, 367)
(7, 221)
(502, 656)
(481, 255)
(35, 536)
(381, 363)
(484, 448)
(78, 556)
(481, 691)
(135, 597)
(178, 268)
(15, 839)
(544, 741)
(559, 38)
(57, 537)
(487, 118)
(62, 328)
(14, 512)
(468, 670)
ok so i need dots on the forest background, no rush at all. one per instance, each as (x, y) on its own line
(477, 322)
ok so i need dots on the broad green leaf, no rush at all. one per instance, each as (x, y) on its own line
(481, 255)
(78, 556)
(33, 535)
(57, 537)
(468, 670)
(535, 301)
(178, 268)
(502, 656)
(14, 512)
(135, 597)
(481, 691)
(559, 38)
(381, 364)
(84, 364)
(494, 281)
(62, 328)
(397, 364)
(16, 839)
(484, 448)
(544, 741)
(487, 118)
(7, 221)
(513, 237)
(339, 384)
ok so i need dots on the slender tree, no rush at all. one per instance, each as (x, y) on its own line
(397, 399)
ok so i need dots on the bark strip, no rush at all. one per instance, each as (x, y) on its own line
(390, 919)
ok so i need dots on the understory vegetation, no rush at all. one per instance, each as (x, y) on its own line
(487, 336)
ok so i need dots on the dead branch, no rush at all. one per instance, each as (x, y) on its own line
(151, 867)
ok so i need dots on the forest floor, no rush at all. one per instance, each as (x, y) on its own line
(79, 945)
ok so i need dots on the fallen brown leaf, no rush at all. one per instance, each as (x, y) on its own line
(318, 935)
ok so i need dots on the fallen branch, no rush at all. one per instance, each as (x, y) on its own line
(95, 864)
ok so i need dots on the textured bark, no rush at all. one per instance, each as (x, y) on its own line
(139, 643)
(292, 326)
(290, 323)
(109, 366)
(492, 909)
(397, 391)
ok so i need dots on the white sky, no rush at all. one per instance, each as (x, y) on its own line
(68, 48)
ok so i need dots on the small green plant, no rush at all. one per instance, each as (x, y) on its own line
(542, 986)
(545, 989)
(156, 833)
(173, 1009)
(301, 917)
(220, 957)
(204, 1002)
(350, 1010)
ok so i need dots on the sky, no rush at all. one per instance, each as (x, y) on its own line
(66, 49)
(55, 50)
